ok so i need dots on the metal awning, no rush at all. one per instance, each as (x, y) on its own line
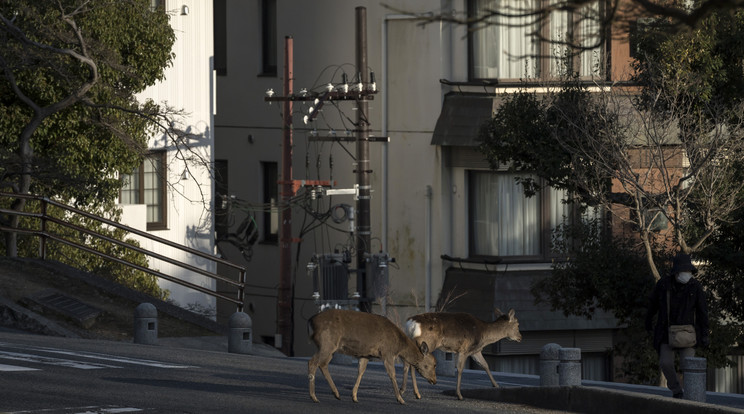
(461, 118)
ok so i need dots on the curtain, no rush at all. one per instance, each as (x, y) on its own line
(504, 222)
(503, 47)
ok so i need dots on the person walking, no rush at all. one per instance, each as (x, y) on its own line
(679, 301)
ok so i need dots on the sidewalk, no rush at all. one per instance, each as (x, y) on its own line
(592, 397)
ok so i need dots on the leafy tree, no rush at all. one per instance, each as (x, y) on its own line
(69, 117)
(626, 152)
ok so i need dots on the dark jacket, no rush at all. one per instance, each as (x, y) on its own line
(687, 306)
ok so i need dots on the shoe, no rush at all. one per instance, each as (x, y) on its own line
(679, 395)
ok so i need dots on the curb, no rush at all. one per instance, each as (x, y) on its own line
(582, 399)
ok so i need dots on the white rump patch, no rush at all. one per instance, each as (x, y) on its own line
(413, 328)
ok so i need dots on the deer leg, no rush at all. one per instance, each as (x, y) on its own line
(460, 366)
(312, 367)
(406, 367)
(362, 367)
(389, 364)
(482, 362)
(415, 386)
(322, 363)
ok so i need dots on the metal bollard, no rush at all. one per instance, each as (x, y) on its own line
(569, 369)
(240, 340)
(694, 371)
(146, 324)
(549, 358)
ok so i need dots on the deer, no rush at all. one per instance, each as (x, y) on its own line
(459, 333)
(364, 336)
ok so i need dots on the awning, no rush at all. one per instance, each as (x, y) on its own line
(461, 118)
(479, 292)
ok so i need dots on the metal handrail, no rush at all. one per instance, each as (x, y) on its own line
(44, 234)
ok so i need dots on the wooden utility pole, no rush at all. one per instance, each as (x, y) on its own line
(284, 299)
(363, 170)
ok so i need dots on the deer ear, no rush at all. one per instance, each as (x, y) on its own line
(497, 312)
(424, 348)
(511, 314)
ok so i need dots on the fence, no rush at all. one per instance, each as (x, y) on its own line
(46, 235)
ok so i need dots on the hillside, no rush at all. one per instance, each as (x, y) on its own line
(100, 309)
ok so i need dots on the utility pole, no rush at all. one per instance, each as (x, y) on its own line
(363, 170)
(361, 94)
(284, 298)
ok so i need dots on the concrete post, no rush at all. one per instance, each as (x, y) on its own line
(240, 339)
(445, 363)
(146, 324)
(694, 372)
(569, 369)
(549, 358)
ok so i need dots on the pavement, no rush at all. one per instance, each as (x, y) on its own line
(590, 397)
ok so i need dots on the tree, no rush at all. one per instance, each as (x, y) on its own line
(602, 16)
(664, 159)
(628, 154)
(69, 117)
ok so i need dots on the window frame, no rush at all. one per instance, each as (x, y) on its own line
(546, 61)
(270, 177)
(544, 219)
(162, 207)
(269, 40)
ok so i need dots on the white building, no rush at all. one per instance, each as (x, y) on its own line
(177, 204)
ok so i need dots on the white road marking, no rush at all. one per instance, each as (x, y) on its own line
(14, 368)
(80, 354)
(38, 359)
(87, 410)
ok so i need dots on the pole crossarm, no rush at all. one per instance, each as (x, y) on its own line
(346, 139)
(331, 96)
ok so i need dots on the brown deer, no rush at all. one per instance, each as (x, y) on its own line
(364, 335)
(460, 333)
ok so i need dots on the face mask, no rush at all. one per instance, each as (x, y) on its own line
(684, 277)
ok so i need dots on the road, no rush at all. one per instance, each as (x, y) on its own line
(50, 375)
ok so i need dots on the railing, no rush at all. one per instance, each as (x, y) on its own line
(45, 235)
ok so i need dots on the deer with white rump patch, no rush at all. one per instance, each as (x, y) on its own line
(364, 335)
(460, 333)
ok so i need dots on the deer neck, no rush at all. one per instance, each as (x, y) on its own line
(411, 354)
(493, 331)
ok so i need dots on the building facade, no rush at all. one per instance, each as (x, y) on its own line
(437, 209)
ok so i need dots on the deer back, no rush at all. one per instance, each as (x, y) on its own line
(460, 332)
(358, 334)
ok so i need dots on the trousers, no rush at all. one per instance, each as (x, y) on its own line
(666, 361)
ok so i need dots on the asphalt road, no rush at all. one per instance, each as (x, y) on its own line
(50, 375)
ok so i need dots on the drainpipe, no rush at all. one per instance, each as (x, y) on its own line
(427, 249)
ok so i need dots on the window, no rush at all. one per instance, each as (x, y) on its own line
(271, 200)
(146, 185)
(268, 37)
(507, 48)
(158, 5)
(221, 199)
(504, 222)
(220, 36)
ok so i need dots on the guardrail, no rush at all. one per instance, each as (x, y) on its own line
(45, 235)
